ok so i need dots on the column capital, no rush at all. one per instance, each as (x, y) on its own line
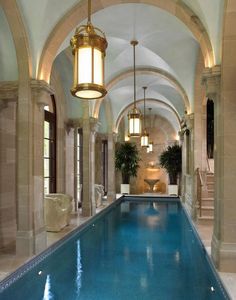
(115, 136)
(74, 123)
(40, 88)
(94, 125)
(211, 78)
(187, 122)
(82, 122)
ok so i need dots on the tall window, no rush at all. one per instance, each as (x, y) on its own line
(104, 165)
(210, 128)
(79, 166)
(50, 148)
(188, 151)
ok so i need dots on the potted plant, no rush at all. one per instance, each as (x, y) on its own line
(127, 162)
(171, 160)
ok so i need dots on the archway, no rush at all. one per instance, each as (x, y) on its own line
(79, 12)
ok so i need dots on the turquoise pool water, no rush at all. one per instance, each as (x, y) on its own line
(137, 250)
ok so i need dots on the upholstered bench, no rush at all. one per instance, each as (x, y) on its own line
(57, 210)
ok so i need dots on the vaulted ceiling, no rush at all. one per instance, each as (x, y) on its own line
(166, 55)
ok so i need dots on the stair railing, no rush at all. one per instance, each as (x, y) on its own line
(199, 190)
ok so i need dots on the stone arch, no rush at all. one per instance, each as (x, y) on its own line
(122, 113)
(19, 35)
(146, 71)
(25, 196)
(79, 12)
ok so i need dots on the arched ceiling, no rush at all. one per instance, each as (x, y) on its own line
(158, 108)
(8, 62)
(211, 14)
(165, 43)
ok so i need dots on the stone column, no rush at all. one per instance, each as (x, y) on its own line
(90, 126)
(111, 193)
(94, 124)
(181, 142)
(188, 164)
(31, 233)
(86, 188)
(75, 169)
(224, 238)
(70, 162)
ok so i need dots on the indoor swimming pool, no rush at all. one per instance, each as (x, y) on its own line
(138, 248)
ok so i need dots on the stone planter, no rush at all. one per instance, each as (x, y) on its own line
(124, 188)
(173, 189)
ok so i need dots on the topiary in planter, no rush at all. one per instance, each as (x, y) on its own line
(171, 160)
(127, 160)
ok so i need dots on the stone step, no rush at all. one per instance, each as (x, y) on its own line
(208, 201)
(210, 178)
(207, 211)
(210, 193)
(205, 220)
(210, 185)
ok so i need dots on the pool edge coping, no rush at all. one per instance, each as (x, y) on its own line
(208, 257)
(37, 258)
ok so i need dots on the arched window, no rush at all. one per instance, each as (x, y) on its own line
(210, 128)
(50, 147)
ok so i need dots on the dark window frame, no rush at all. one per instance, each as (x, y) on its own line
(105, 165)
(51, 118)
(210, 129)
(80, 159)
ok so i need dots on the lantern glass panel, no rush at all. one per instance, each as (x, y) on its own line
(134, 126)
(84, 65)
(98, 67)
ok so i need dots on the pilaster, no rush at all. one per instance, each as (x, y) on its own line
(187, 131)
(31, 233)
(224, 238)
(90, 126)
(111, 193)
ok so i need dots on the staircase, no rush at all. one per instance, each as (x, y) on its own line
(206, 212)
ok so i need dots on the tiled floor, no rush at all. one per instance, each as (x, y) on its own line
(9, 261)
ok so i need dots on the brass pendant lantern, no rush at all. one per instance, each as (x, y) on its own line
(89, 49)
(134, 116)
(145, 135)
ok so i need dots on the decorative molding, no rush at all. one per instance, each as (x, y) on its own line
(102, 136)
(39, 89)
(94, 124)
(211, 79)
(187, 123)
(9, 90)
(3, 104)
(72, 124)
(41, 85)
(80, 123)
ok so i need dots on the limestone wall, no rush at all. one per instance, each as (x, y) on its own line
(7, 174)
(161, 134)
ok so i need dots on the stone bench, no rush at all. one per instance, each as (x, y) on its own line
(57, 210)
